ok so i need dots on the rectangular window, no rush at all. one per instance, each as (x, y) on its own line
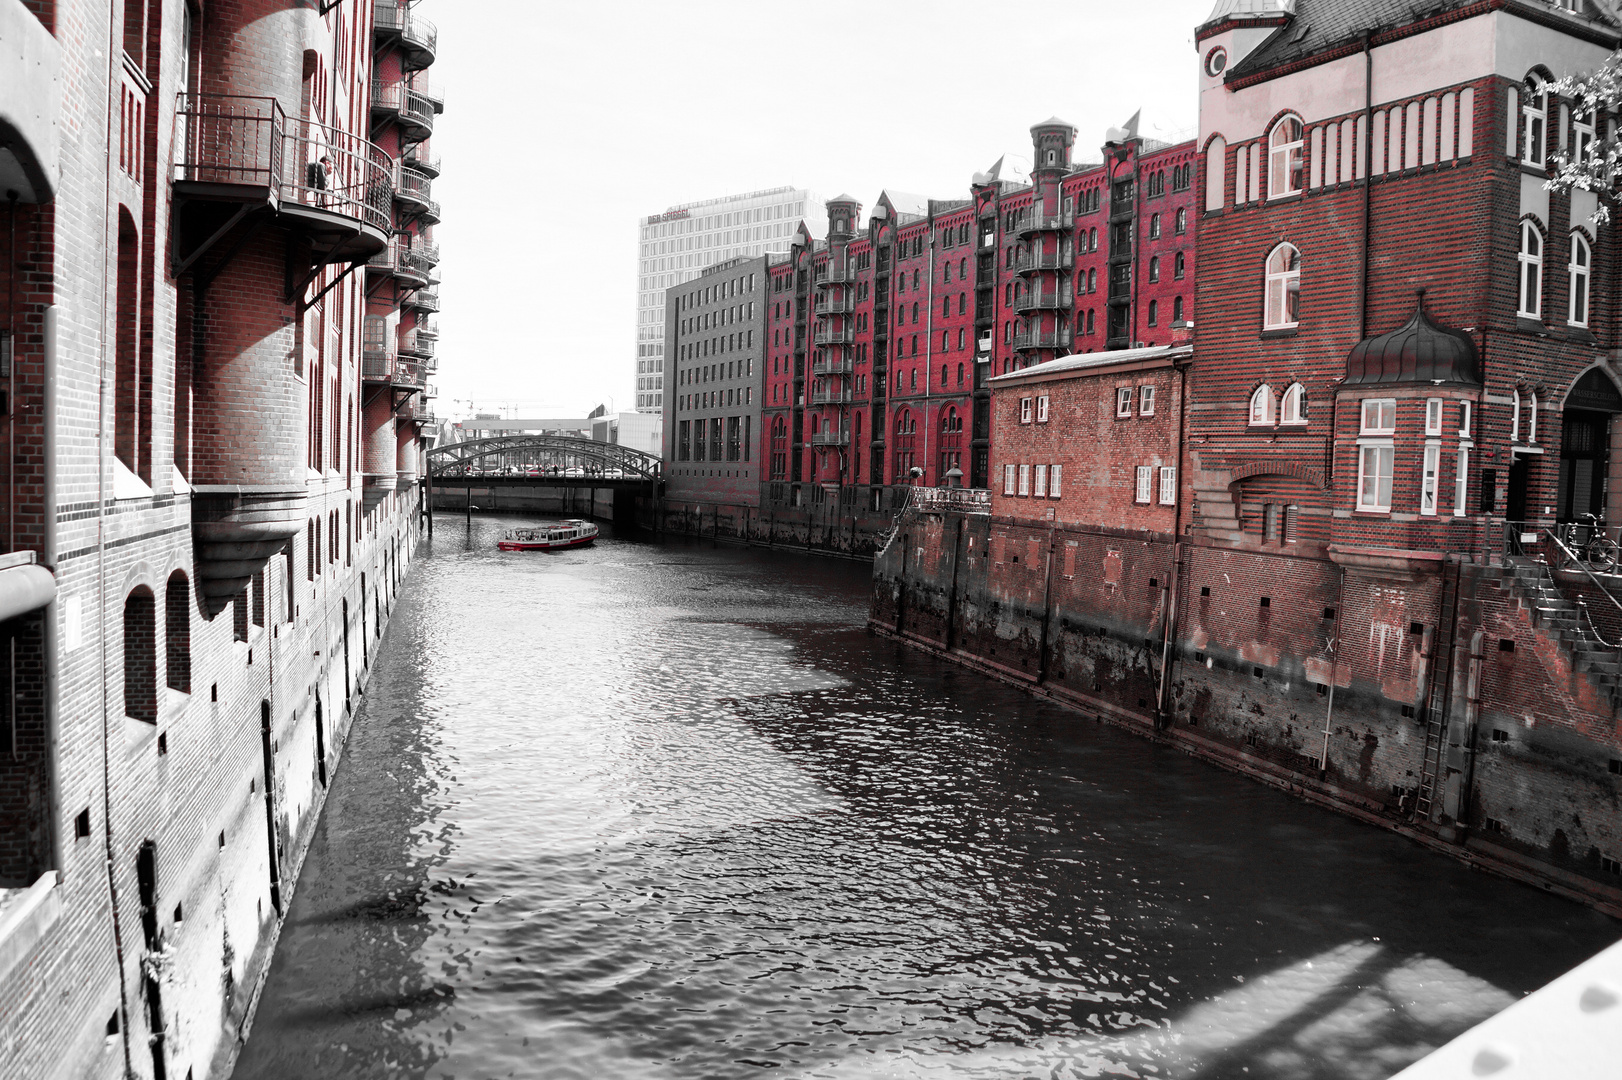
(1374, 476)
(1145, 484)
(1433, 416)
(1024, 479)
(1040, 488)
(1428, 478)
(1464, 419)
(1146, 401)
(1379, 416)
(1007, 479)
(1055, 475)
(1123, 401)
(1461, 481)
(1042, 409)
(1024, 410)
(1168, 486)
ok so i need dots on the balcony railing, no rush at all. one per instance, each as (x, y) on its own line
(403, 262)
(428, 328)
(841, 275)
(417, 34)
(831, 438)
(412, 108)
(1027, 340)
(1044, 301)
(422, 159)
(836, 305)
(249, 142)
(378, 366)
(827, 336)
(1034, 222)
(416, 189)
(831, 397)
(416, 410)
(831, 366)
(423, 300)
(964, 500)
(416, 344)
(1031, 261)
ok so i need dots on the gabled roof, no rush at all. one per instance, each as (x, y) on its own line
(1319, 25)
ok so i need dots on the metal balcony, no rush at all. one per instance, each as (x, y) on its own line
(831, 397)
(402, 263)
(415, 344)
(422, 300)
(381, 367)
(1044, 301)
(393, 23)
(831, 438)
(413, 192)
(827, 336)
(412, 110)
(829, 366)
(1031, 261)
(836, 305)
(428, 328)
(1034, 222)
(842, 275)
(1030, 340)
(320, 180)
(416, 410)
(419, 157)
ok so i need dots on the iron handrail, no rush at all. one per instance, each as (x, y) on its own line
(1583, 566)
(249, 141)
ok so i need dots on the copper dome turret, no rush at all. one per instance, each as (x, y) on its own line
(1420, 351)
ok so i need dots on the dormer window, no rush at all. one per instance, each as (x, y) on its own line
(1284, 156)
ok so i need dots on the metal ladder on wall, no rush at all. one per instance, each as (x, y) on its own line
(1436, 700)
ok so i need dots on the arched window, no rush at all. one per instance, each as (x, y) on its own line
(943, 376)
(1284, 157)
(177, 632)
(1216, 174)
(1181, 225)
(960, 374)
(1581, 259)
(1092, 236)
(141, 656)
(1283, 287)
(1179, 266)
(1535, 121)
(1293, 406)
(1154, 268)
(1177, 309)
(1261, 405)
(1531, 263)
(1515, 415)
(1089, 319)
(1154, 313)
(901, 421)
(946, 340)
(1154, 226)
(1582, 137)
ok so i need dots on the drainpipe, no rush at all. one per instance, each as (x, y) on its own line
(1368, 185)
(53, 714)
(1174, 584)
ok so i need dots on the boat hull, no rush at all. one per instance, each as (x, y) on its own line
(543, 545)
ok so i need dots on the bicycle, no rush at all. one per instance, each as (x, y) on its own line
(1586, 539)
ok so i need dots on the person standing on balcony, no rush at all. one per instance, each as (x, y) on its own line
(316, 180)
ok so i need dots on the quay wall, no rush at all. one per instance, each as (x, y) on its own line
(1317, 676)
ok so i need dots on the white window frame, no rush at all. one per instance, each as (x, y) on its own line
(1383, 455)
(1461, 479)
(1583, 128)
(1286, 158)
(1260, 412)
(1168, 485)
(1535, 122)
(1042, 409)
(1039, 483)
(1024, 410)
(1024, 479)
(1578, 271)
(1514, 415)
(1464, 419)
(1008, 479)
(1532, 418)
(1430, 479)
(1123, 401)
(1384, 420)
(1530, 265)
(1055, 475)
(1146, 401)
(1292, 407)
(1145, 485)
(1285, 281)
(1433, 416)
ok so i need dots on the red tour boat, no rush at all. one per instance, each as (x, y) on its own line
(566, 534)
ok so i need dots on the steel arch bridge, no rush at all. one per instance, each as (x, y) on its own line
(543, 459)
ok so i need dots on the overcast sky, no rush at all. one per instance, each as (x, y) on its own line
(565, 121)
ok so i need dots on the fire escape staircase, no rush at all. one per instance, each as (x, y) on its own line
(1566, 621)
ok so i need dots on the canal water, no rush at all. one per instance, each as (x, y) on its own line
(666, 810)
